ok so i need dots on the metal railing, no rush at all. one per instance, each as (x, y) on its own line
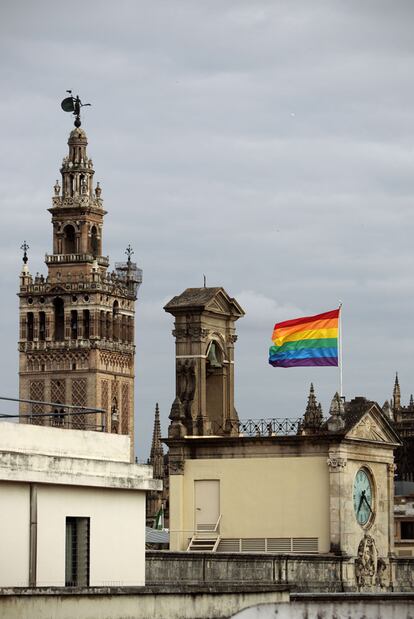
(260, 427)
(60, 415)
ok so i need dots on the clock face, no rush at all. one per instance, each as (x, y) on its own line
(363, 497)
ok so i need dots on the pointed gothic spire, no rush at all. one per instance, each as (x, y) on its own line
(312, 419)
(396, 395)
(157, 452)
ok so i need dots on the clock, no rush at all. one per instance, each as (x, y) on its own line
(363, 497)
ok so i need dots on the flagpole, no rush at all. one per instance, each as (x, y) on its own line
(340, 349)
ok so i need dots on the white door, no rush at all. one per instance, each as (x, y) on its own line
(207, 504)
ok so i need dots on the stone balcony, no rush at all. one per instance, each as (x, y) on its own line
(51, 259)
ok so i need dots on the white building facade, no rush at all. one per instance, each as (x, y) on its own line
(72, 508)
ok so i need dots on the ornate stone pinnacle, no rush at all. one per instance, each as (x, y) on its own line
(312, 419)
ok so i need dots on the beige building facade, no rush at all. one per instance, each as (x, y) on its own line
(72, 509)
(318, 486)
(283, 494)
(76, 344)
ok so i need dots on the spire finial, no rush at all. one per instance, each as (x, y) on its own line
(129, 252)
(74, 105)
(24, 248)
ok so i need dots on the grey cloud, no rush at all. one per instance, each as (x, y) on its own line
(266, 144)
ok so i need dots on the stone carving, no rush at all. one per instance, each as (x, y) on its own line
(197, 333)
(336, 421)
(185, 376)
(367, 428)
(366, 563)
(177, 428)
(233, 339)
(383, 576)
(176, 467)
(180, 333)
(336, 463)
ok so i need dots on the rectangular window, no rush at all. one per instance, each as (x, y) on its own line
(77, 552)
(407, 529)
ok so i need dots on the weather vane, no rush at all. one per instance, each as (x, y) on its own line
(73, 104)
(25, 247)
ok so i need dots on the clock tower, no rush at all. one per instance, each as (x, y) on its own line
(76, 340)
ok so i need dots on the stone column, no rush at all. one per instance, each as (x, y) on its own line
(336, 464)
(178, 535)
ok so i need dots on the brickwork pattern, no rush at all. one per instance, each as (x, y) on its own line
(37, 392)
(79, 398)
(125, 409)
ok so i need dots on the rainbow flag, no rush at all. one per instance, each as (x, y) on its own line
(308, 341)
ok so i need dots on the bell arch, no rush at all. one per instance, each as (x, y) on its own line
(69, 239)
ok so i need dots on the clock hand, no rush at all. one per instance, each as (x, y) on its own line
(360, 502)
(366, 501)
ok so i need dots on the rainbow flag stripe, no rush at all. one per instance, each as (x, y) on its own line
(308, 341)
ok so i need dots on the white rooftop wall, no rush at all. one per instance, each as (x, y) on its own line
(24, 438)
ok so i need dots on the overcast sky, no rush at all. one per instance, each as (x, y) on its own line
(267, 144)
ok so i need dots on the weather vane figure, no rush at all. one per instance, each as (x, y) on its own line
(74, 105)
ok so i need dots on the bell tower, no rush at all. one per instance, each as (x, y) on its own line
(205, 335)
(77, 324)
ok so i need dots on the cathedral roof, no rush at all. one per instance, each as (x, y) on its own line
(212, 299)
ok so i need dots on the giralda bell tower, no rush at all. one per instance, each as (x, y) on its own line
(77, 323)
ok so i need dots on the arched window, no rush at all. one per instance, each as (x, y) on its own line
(102, 325)
(115, 321)
(215, 383)
(130, 329)
(30, 326)
(42, 326)
(59, 307)
(69, 239)
(94, 244)
(123, 328)
(86, 324)
(108, 325)
(73, 325)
